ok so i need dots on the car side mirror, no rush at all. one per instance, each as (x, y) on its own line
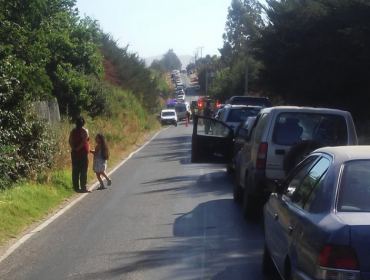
(270, 186)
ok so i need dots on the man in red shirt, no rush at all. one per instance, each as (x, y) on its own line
(79, 143)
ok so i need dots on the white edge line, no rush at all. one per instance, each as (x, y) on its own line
(15, 246)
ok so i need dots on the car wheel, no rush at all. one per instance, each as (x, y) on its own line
(288, 271)
(267, 263)
(237, 189)
(298, 152)
(249, 205)
(229, 169)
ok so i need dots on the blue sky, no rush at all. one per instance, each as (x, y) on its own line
(151, 27)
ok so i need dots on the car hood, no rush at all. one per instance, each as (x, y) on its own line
(359, 223)
(168, 117)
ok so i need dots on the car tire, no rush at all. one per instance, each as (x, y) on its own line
(237, 189)
(288, 271)
(229, 169)
(298, 152)
(249, 202)
(268, 265)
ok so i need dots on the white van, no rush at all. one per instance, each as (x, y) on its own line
(181, 109)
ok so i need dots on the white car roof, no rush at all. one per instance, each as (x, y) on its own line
(346, 153)
(305, 110)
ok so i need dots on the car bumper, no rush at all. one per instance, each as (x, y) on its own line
(168, 121)
(300, 275)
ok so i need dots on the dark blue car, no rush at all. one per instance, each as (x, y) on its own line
(317, 222)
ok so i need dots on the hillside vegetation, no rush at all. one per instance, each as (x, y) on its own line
(47, 52)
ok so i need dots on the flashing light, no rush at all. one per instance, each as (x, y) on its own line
(217, 104)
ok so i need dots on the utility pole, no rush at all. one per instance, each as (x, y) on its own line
(201, 51)
(246, 66)
(206, 78)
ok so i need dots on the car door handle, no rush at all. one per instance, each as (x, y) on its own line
(290, 229)
(276, 217)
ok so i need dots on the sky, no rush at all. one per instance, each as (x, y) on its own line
(152, 27)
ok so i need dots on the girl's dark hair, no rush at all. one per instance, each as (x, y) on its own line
(104, 146)
(80, 122)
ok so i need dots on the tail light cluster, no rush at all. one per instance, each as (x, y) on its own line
(337, 263)
(262, 156)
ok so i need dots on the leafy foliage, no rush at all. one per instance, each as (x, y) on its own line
(171, 61)
(316, 53)
(47, 51)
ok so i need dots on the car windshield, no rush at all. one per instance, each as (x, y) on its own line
(168, 114)
(330, 130)
(354, 194)
(241, 114)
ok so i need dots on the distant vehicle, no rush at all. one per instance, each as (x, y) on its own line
(181, 98)
(168, 116)
(171, 104)
(250, 100)
(317, 221)
(233, 115)
(183, 71)
(181, 109)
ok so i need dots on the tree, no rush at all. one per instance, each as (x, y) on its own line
(158, 65)
(171, 61)
(190, 66)
(315, 53)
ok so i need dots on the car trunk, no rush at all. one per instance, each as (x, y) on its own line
(359, 223)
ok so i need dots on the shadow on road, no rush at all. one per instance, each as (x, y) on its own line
(217, 183)
(207, 243)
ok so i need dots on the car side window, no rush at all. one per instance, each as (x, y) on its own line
(301, 195)
(316, 202)
(261, 127)
(292, 183)
(212, 128)
(222, 114)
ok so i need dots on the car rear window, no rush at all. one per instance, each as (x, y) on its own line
(330, 130)
(354, 194)
(241, 114)
(168, 114)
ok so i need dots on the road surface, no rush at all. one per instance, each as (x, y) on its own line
(162, 218)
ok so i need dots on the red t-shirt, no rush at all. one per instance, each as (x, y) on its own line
(76, 141)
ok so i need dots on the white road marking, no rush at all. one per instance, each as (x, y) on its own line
(62, 211)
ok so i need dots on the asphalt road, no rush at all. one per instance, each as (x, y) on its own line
(162, 218)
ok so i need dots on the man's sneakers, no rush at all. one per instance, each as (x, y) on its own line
(109, 181)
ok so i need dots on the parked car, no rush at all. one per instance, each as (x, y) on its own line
(168, 116)
(241, 134)
(249, 100)
(181, 96)
(317, 222)
(181, 109)
(233, 115)
(279, 138)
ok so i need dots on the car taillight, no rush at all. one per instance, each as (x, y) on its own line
(337, 263)
(262, 156)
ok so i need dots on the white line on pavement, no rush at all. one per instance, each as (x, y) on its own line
(70, 205)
